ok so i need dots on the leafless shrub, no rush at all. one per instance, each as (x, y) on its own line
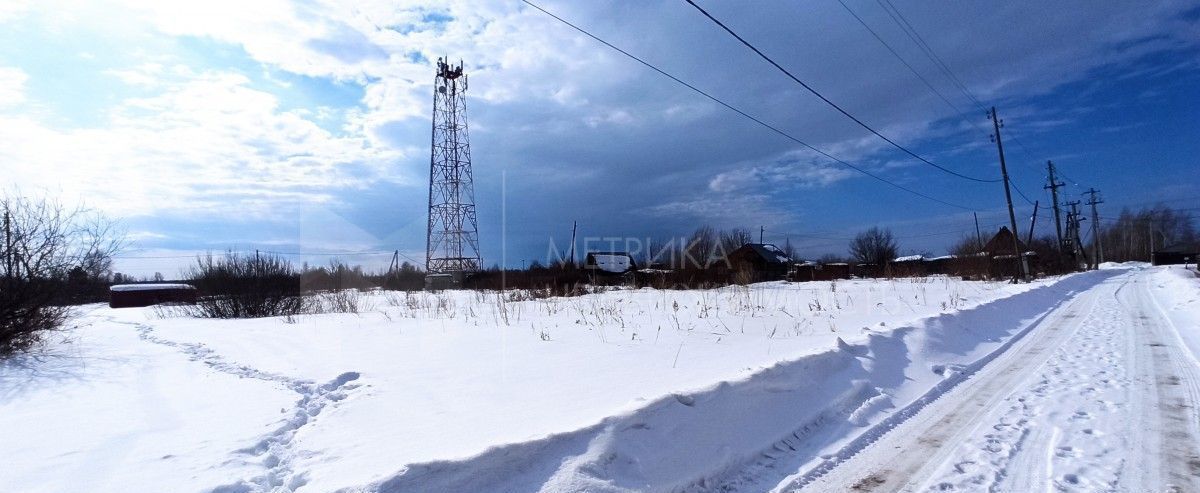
(247, 286)
(46, 245)
(341, 301)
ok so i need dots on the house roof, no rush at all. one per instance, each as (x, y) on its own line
(119, 288)
(1001, 243)
(614, 262)
(766, 251)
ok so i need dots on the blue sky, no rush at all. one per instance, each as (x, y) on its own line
(304, 126)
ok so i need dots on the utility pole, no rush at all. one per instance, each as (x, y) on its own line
(1073, 232)
(1053, 187)
(760, 233)
(1032, 223)
(1097, 248)
(574, 224)
(978, 237)
(1012, 218)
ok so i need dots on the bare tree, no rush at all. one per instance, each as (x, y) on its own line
(700, 246)
(45, 244)
(1135, 234)
(790, 250)
(734, 239)
(874, 246)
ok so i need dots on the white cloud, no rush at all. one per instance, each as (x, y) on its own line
(792, 169)
(552, 99)
(144, 75)
(13, 9)
(208, 143)
(722, 211)
(12, 85)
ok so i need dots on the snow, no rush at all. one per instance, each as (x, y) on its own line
(621, 390)
(104, 410)
(148, 287)
(1106, 411)
(1178, 288)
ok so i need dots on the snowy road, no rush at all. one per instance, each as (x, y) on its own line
(1101, 395)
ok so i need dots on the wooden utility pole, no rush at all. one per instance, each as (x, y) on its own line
(1097, 248)
(574, 224)
(978, 237)
(1073, 232)
(1053, 187)
(1012, 218)
(1032, 223)
(760, 234)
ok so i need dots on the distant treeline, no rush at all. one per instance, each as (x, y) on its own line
(1132, 235)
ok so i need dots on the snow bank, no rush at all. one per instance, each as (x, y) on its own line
(827, 404)
(1132, 264)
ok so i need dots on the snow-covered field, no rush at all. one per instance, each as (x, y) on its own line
(741, 388)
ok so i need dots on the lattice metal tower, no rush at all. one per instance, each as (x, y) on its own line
(452, 240)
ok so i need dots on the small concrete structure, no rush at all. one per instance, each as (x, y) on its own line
(438, 282)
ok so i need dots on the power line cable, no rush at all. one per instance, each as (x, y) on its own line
(914, 35)
(912, 69)
(829, 102)
(743, 113)
(916, 38)
(1018, 190)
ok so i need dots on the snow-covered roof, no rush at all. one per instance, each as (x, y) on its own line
(769, 252)
(910, 258)
(616, 263)
(148, 287)
(1030, 253)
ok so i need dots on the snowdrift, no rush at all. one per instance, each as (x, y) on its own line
(807, 414)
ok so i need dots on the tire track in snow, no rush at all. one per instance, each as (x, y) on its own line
(1048, 434)
(1176, 382)
(907, 444)
(275, 450)
(1114, 408)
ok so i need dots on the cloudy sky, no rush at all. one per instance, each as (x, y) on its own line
(304, 126)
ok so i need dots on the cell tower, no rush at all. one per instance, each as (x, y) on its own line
(452, 240)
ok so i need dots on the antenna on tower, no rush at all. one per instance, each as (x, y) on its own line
(452, 238)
